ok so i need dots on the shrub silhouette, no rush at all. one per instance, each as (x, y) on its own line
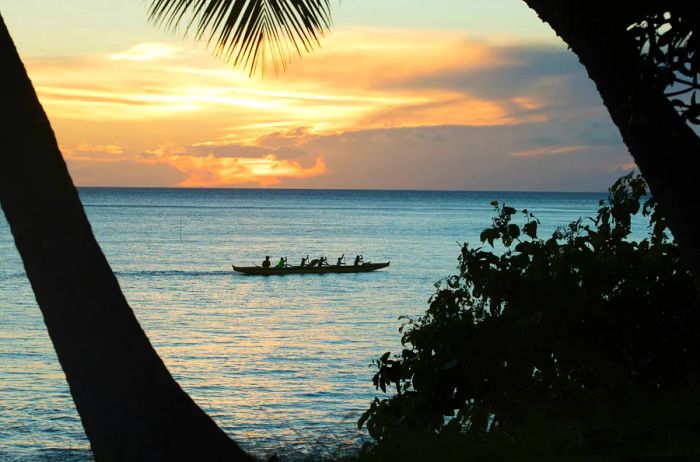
(538, 330)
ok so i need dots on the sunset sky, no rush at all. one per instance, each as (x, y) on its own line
(467, 95)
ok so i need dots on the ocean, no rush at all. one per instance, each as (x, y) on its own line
(281, 363)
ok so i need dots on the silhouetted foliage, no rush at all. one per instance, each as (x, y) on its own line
(545, 327)
(667, 40)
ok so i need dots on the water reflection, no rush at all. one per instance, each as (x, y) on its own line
(279, 362)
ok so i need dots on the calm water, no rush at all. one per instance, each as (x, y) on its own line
(281, 363)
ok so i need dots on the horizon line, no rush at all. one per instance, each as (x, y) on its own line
(252, 188)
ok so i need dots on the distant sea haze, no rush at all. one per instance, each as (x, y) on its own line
(279, 362)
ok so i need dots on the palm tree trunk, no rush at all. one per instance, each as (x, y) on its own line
(660, 142)
(131, 407)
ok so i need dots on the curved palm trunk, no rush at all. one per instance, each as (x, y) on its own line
(660, 142)
(131, 407)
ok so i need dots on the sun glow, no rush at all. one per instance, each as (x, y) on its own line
(211, 171)
(161, 105)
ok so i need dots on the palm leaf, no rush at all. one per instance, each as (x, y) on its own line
(249, 33)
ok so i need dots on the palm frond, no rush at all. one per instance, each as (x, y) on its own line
(249, 33)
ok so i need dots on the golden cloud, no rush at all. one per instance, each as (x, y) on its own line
(153, 103)
(351, 82)
(211, 171)
(147, 51)
(548, 151)
(202, 166)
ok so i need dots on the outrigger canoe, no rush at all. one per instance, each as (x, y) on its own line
(259, 270)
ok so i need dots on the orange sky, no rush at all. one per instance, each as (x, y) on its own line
(164, 113)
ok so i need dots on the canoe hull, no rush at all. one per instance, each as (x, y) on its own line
(257, 270)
